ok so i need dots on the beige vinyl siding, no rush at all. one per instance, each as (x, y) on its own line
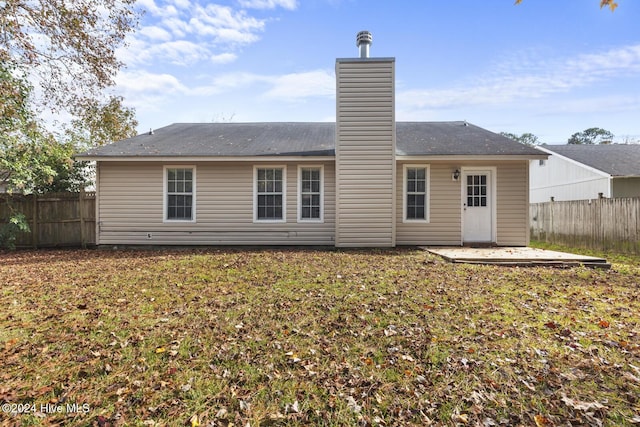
(625, 187)
(130, 206)
(365, 152)
(445, 205)
(444, 226)
(513, 204)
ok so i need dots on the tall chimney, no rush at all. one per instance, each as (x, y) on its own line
(365, 173)
(363, 41)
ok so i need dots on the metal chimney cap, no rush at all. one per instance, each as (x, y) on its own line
(364, 37)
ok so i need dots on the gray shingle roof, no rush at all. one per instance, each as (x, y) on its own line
(454, 138)
(614, 159)
(305, 139)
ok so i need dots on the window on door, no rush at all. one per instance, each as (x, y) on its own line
(476, 190)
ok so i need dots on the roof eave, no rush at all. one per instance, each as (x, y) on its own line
(467, 157)
(262, 158)
(269, 158)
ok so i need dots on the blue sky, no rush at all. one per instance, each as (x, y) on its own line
(547, 67)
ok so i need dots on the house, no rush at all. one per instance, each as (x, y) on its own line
(364, 181)
(583, 172)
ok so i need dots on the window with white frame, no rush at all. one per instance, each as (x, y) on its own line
(179, 194)
(310, 193)
(269, 194)
(416, 193)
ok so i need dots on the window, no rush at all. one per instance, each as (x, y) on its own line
(476, 190)
(416, 193)
(310, 193)
(179, 194)
(269, 196)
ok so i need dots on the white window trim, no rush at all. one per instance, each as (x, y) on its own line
(284, 194)
(313, 220)
(427, 196)
(165, 195)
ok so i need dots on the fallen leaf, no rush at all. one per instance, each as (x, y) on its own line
(461, 418)
(10, 343)
(541, 421)
(160, 350)
(353, 405)
(603, 324)
(194, 420)
(581, 406)
(629, 376)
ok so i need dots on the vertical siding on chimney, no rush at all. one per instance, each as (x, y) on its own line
(365, 152)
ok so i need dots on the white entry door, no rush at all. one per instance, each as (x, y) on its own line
(477, 206)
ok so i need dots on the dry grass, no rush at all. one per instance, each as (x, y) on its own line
(304, 337)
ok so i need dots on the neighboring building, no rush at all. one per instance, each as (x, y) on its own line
(364, 181)
(582, 172)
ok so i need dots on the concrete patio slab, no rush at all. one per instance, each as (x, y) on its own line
(516, 256)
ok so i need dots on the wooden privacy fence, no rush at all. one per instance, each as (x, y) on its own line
(55, 219)
(604, 224)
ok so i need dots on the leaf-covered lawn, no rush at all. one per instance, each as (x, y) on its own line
(305, 337)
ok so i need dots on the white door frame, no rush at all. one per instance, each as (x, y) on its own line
(492, 198)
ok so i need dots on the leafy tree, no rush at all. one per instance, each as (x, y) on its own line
(102, 124)
(69, 46)
(9, 232)
(526, 138)
(591, 136)
(611, 4)
(31, 160)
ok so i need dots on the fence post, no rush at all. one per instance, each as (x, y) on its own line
(83, 242)
(34, 228)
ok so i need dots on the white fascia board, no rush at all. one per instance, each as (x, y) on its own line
(459, 158)
(577, 163)
(254, 159)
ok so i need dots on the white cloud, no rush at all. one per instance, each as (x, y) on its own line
(593, 105)
(287, 87)
(223, 58)
(144, 82)
(188, 33)
(151, 7)
(182, 4)
(515, 81)
(225, 24)
(269, 4)
(230, 82)
(319, 83)
(181, 52)
(178, 27)
(154, 33)
(184, 33)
